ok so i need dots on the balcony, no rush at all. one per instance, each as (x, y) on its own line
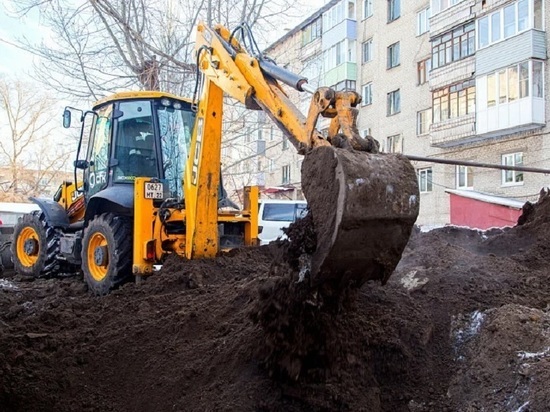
(513, 117)
(453, 132)
(345, 71)
(453, 73)
(347, 29)
(451, 17)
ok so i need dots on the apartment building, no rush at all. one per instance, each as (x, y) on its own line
(450, 79)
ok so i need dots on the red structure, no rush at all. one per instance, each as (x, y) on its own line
(480, 211)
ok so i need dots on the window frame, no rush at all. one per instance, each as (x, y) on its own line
(468, 173)
(425, 184)
(393, 144)
(364, 88)
(366, 51)
(517, 176)
(367, 9)
(449, 95)
(394, 10)
(393, 55)
(423, 125)
(423, 68)
(393, 102)
(423, 21)
(461, 40)
(285, 174)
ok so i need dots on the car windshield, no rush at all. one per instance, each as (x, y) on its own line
(279, 212)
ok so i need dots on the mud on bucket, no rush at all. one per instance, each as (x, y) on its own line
(364, 207)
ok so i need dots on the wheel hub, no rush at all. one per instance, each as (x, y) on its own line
(31, 247)
(101, 256)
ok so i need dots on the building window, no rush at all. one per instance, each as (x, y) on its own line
(464, 177)
(286, 175)
(341, 52)
(394, 144)
(394, 10)
(394, 102)
(344, 85)
(338, 13)
(393, 55)
(423, 70)
(367, 51)
(453, 46)
(514, 82)
(423, 21)
(311, 32)
(512, 177)
(271, 165)
(454, 101)
(423, 121)
(367, 8)
(509, 21)
(285, 142)
(425, 180)
(367, 94)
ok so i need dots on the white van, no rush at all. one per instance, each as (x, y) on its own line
(275, 214)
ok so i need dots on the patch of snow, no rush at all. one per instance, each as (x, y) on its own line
(465, 329)
(7, 285)
(410, 281)
(537, 355)
(412, 200)
(522, 407)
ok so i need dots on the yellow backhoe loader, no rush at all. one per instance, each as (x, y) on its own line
(149, 182)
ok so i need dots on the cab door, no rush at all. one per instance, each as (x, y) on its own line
(97, 173)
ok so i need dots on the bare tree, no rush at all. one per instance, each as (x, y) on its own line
(30, 157)
(98, 46)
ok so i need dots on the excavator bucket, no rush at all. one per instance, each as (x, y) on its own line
(364, 206)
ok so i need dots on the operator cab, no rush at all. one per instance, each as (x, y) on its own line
(135, 134)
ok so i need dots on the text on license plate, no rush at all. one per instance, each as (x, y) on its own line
(153, 190)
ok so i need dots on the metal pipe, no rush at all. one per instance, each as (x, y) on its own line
(476, 164)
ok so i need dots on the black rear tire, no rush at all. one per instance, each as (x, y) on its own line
(35, 246)
(107, 253)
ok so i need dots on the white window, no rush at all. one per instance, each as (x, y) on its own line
(394, 144)
(393, 55)
(512, 177)
(367, 94)
(338, 13)
(286, 174)
(367, 8)
(394, 102)
(271, 165)
(440, 5)
(423, 21)
(425, 180)
(394, 10)
(464, 177)
(366, 132)
(285, 142)
(423, 121)
(515, 82)
(506, 22)
(336, 55)
(367, 51)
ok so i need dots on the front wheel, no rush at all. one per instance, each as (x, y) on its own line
(35, 246)
(106, 252)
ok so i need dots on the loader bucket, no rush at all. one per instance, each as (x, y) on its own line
(363, 207)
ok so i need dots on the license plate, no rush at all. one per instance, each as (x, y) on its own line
(153, 190)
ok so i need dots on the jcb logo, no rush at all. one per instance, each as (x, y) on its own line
(197, 154)
(75, 194)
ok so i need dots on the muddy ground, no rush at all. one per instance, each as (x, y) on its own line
(462, 325)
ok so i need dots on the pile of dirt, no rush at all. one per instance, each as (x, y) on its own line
(462, 325)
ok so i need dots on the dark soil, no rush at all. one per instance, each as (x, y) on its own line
(462, 325)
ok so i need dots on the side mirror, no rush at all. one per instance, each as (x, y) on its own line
(66, 118)
(81, 164)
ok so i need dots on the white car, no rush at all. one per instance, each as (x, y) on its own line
(274, 215)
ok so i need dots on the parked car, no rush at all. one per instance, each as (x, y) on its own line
(275, 214)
